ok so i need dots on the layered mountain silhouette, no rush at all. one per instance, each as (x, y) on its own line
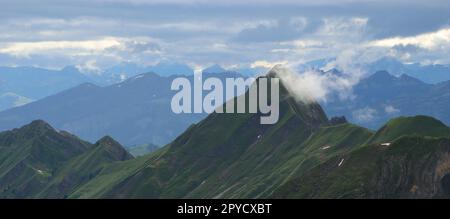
(433, 73)
(304, 155)
(382, 96)
(136, 111)
(21, 85)
(38, 161)
(132, 110)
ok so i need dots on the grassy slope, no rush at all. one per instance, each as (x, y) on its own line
(230, 155)
(376, 171)
(401, 170)
(82, 168)
(417, 125)
(30, 155)
(113, 174)
(143, 149)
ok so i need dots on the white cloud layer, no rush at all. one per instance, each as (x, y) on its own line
(77, 47)
(431, 41)
(366, 114)
(101, 33)
(312, 85)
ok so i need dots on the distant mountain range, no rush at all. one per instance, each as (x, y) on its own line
(304, 155)
(429, 73)
(123, 71)
(383, 96)
(433, 73)
(136, 111)
(378, 98)
(21, 85)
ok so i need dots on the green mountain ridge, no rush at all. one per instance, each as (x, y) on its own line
(36, 156)
(231, 155)
(416, 125)
(411, 167)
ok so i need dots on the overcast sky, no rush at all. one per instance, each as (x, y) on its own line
(94, 34)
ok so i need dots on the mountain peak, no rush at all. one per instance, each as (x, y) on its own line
(309, 111)
(113, 148)
(167, 68)
(382, 74)
(38, 125)
(106, 140)
(276, 71)
(381, 77)
(214, 69)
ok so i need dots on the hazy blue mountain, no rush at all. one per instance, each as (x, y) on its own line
(9, 99)
(314, 64)
(35, 83)
(427, 73)
(170, 68)
(251, 72)
(135, 111)
(382, 96)
(118, 73)
(125, 70)
(20, 85)
(214, 69)
(433, 73)
(246, 71)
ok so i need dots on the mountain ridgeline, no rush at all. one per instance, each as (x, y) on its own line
(136, 111)
(303, 155)
(38, 161)
(383, 96)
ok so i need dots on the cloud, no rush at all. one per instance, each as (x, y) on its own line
(389, 109)
(426, 48)
(90, 66)
(275, 30)
(341, 26)
(262, 2)
(430, 41)
(266, 64)
(17, 99)
(223, 32)
(366, 114)
(28, 48)
(312, 85)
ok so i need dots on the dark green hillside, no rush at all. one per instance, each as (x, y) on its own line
(143, 149)
(417, 125)
(303, 155)
(30, 155)
(411, 167)
(232, 156)
(84, 167)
